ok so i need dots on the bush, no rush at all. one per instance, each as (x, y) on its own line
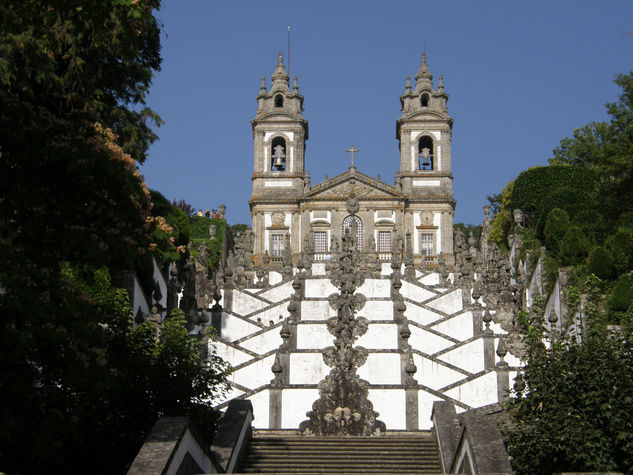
(539, 190)
(575, 246)
(622, 295)
(556, 226)
(620, 245)
(601, 263)
(502, 219)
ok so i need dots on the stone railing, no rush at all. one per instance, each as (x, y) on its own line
(175, 446)
(470, 442)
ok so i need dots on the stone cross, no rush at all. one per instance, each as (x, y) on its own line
(352, 150)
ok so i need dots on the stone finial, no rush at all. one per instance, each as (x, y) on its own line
(502, 350)
(277, 370)
(410, 368)
(295, 84)
(407, 87)
(280, 76)
(423, 77)
(486, 317)
(262, 85)
(440, 86)
(553, 318)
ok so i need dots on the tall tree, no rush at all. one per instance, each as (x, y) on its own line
(607, 147)
(574, 413)
(73, 127)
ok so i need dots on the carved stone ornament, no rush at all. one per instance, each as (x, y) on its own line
(352, 204)
(277, 218)
(426, 218)
(343, 408)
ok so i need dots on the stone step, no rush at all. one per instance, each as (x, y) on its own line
(270, 452)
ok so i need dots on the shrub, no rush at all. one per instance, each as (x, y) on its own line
(575, 246)
(539, 190)
(620, 245)
(556, 225)
(502, 219)
(601, 263)
(622, 295)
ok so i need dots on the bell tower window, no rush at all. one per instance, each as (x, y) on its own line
(278, 148)
(279, 100)
(425, 153)
(424, 100)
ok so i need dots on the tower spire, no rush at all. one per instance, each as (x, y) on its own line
(423, 77)
(280, 76)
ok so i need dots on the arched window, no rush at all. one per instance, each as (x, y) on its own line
(279, 100)
(425, 153)
(278, 154)
(424, 100)
(351, 222)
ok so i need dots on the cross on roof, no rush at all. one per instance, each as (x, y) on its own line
(352, 150)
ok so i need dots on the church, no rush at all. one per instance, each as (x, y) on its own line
(356, 261)
(416, 211)
(364, 335)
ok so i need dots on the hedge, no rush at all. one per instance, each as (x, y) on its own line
(574, 189)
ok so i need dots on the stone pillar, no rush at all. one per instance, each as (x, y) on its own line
(489, 341)
(412, 418)
(503, 375)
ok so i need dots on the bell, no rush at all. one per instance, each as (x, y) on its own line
(278, 162)
(425, 155)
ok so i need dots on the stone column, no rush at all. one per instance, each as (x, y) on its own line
(489, 341)
(503, 375)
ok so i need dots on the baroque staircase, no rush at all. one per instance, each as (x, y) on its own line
(289, 452)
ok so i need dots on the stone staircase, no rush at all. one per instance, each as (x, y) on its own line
(454, 357)
(288, 452)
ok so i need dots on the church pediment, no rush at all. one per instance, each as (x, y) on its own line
(352, 182)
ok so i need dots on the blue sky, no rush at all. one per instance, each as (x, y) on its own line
(521, 76)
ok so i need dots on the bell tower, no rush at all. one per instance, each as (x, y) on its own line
(424, 132)
(279, 135)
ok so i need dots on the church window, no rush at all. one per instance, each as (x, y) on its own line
(354, 221)
(320, 241)
(384, 241)
(278, 154)
(424, 100)
(425, 153)
(279, 100)
(277, 245)
(427, 241)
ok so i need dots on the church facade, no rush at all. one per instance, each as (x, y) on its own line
(416, 210)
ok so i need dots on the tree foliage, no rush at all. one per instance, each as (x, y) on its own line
(79, 387)
(607, 147)
(575, 413)
(502, 220)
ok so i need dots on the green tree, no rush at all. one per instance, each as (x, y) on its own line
(556, 226)
(575, 412)
(607, 148)
(575, 247)
(601, 263)
(75, 379)
(502, 219)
